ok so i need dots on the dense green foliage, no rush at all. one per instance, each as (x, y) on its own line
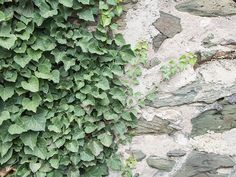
(63, 108)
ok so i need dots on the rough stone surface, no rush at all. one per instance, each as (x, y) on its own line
(174, 108)
(207, 42)
(156, 126)
(208, 8)
(215, 120)
(160, 163)
(204, 164)
(168, 24)
(207, 87)
(231, 99)
(138, 155)
(176, 153)
(152, 63)
(158, 40)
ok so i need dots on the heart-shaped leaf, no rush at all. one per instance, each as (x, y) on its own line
(4, 115)
(95, 147)
(34, 166)
(32, 84)
(6, 92)
(31, 105)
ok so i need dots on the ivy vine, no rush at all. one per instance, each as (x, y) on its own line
(62, 104)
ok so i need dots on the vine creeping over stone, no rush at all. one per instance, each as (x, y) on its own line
(62, 105)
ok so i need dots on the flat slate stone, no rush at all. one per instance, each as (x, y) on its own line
(160, 163)
(176, 153)
(168, 24)
(156, 126)
(217, 120)
(190, 94)
(208, 8)
(138, 155)
(201, 164)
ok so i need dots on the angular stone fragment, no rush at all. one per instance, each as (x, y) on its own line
(232, 99)
(138, 155)
(168, 24)
(158, 40)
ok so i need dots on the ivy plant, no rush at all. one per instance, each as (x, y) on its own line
(174, 66)
(62, 105)
(135, 64)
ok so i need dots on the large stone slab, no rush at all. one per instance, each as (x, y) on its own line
(214, 80)
(208, 8)
(218, 120)
(160, 163)
(156, 126)
(201, 164)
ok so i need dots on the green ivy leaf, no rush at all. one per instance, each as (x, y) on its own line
(110, 116)
(16, 129)
(106, 20)
(31, 105)
(112, 2)
(86, 15)
(119, 10)
(6, 157)
(5, 147)
(37, 122)
(86, 156)
(118, 94)
(44, 43)
(79, 111)
(55, 76)
(67, 3)
(89, 128)
(119, 40)
(106, 139)
(29, 139)
(72, 146)
(21, 49)
(32, 85)
(86, 2)
(54, 163)
(39, 151)
(126, 116)
(103, 5)
(2, 16)
(22, 60)
(4, 115)
(6, 92)
(34, 166)
(7, 42)
(34, 54)
(95, 147)
(98, 171)
(114, 163)
(103, 84)
(54, 128)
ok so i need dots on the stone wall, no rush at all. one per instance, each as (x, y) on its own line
(188, 128)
